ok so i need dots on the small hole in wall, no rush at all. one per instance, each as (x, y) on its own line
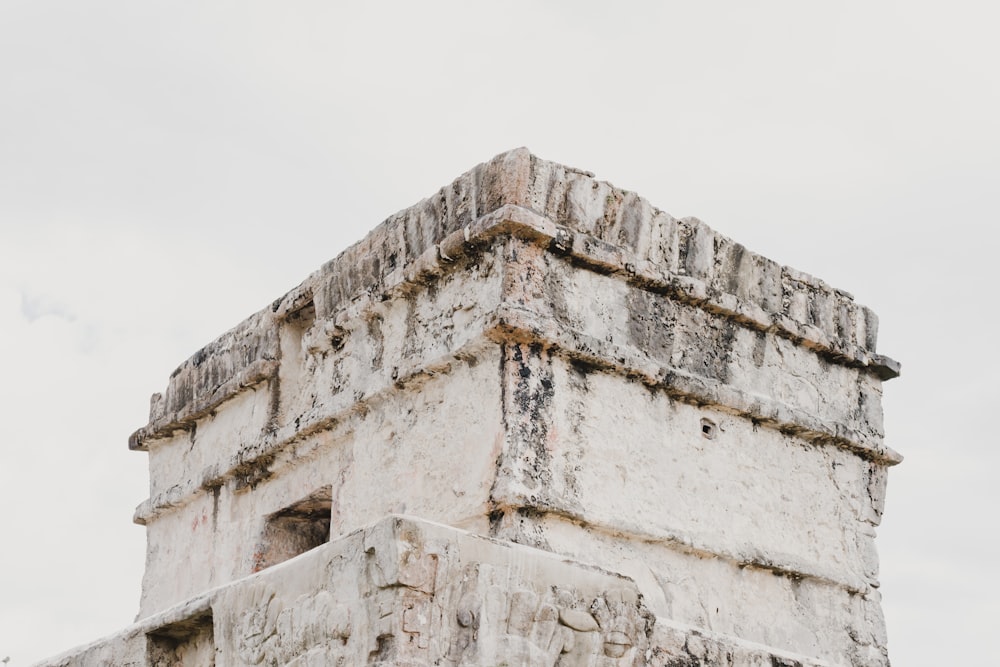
(708, 429)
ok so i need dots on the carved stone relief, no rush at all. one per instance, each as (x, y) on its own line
(529, 623)
(270, 633)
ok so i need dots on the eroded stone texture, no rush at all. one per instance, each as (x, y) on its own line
(670, 447)
(402, 591)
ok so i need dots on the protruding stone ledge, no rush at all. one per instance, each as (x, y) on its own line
(408, 591)
(509, 323)
(405, 591)
(701, 546)
(248, 354)
(676, 644)
(244, 356)
(517, 324)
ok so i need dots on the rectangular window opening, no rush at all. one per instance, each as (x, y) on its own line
(296, 529)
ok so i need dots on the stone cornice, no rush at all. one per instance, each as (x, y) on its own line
(808, 311)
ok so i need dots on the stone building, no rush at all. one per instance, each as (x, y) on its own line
(531, 420)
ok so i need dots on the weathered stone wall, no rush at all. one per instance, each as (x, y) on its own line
(539, 357)
(409, 592)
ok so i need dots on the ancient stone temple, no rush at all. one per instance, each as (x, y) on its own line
(531, 420)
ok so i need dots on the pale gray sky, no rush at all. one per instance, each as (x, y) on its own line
(168, 168)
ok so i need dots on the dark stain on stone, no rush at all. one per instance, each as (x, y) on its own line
(555, 291)
(584, 366)
(759, 348)
(412, 340)
(496, 521)
(651, 323)
(526, 528)
(732, 263)
(531, 396)
(816, 303)
(216, 492)
(844, 325)
(784, 662)
(685, 240)
(707, 347)
(384, 650)
(683, 661)
(251, 473)
(559, 245)
(274, 404)
(377, 340)
(432, 290)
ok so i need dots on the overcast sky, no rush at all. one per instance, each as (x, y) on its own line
(168, 168)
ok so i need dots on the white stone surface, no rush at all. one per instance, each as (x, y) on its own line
(543, 359)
